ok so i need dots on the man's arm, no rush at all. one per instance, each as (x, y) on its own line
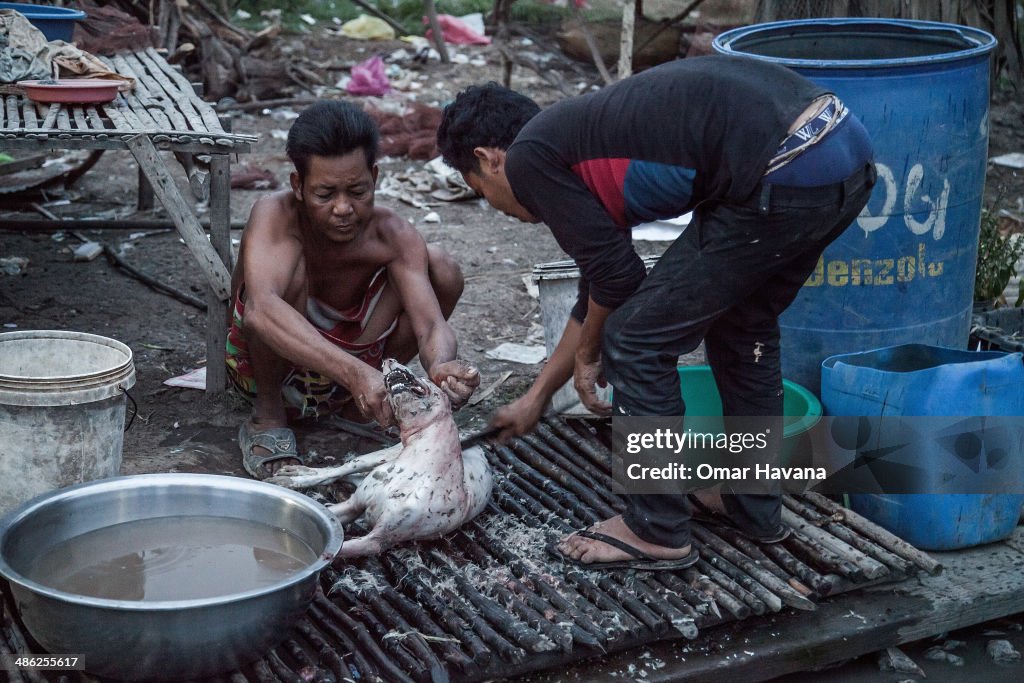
(587, 373)
(522, 415)
(271, 256)
(435, 339)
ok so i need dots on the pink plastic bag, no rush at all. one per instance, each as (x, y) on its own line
(368, 78)
(456, 32)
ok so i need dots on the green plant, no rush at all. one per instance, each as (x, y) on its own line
(997, 259)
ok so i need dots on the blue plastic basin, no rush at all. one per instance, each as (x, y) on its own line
(56, 23)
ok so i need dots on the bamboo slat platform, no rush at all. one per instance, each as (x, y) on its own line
(488, 601)
(161, 113)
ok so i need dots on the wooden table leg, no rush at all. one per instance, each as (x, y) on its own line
(220, 237)
(211, 255)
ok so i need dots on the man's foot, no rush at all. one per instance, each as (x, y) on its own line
(613, 545)
(709, 508)
(266, 450)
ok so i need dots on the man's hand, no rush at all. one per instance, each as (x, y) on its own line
(518, 417)
(458, 379)
(371, 396)
(587, 376)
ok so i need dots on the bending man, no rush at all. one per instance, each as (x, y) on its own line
(773, 167)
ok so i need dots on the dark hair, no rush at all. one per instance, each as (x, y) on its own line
(331, 128)
(481, 116)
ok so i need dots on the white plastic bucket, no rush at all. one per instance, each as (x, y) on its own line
(558, 284)
(62, 410)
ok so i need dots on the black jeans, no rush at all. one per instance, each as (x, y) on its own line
(725, 280)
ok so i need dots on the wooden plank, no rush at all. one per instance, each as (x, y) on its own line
(81, 123)
(209, 117)
(13, 121)
(19, 165)
(220, 238)
(185, 220)
(28, 114)
(131, 120)
(63, 123)
(34, 140)
(136, 104)
(978, 585)
(182, 99)
(113, 112)
(51, 117)
(154, 96)
(96, 122)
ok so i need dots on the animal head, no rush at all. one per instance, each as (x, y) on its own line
(416, 402)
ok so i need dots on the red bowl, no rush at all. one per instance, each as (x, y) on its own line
(71, 90)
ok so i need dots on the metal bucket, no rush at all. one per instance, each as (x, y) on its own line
(558, 285)
(62, 410)
(904, 272)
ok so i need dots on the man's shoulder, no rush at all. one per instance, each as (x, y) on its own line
(275, 212)
(391, 226)
(282, 201)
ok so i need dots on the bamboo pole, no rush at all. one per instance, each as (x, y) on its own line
(872, 569)
(877, 534)
(328, 615)
(847, 535)
(774, 586)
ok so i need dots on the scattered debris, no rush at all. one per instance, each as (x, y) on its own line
(365, 27)
(940, 654)
(193, 379)
(88, 251)
(527, 354)
(457, 31)
(432, 217)
(1002, 651)
(13, 265)
(249, 177)
(368, 78)
(894, 659)
(406, 128)
(1011, 160)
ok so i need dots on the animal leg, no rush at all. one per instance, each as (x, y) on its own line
(348, 510)
(302, 477)
(370, 544)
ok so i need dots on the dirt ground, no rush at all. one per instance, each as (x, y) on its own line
(184, 430)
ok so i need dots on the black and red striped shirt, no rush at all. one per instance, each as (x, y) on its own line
(649, 147)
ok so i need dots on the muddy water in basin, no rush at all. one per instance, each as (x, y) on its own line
(172, 558)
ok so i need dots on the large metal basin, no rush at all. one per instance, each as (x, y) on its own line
(174, 639)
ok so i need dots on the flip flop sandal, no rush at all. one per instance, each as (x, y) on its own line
(706, 515)
(280, 441)
(643, 561)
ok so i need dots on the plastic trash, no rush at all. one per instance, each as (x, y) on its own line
(368, 78)
(365, 27)
(457, 32)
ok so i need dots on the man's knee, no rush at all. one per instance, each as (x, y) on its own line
(445, 277)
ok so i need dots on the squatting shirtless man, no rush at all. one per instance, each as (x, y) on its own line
(327, 285)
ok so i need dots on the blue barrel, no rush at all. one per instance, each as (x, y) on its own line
(948, 456)
(904, 271)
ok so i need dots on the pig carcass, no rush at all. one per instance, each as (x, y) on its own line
(421, 488)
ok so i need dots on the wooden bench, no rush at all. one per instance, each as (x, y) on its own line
(162, 113)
